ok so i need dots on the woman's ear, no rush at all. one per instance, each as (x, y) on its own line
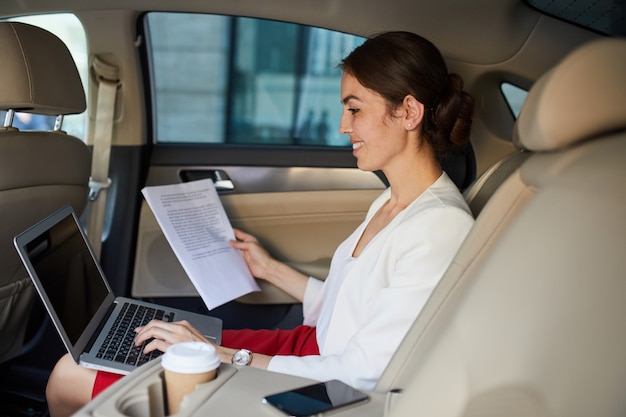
(413, 112)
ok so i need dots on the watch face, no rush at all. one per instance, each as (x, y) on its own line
(241, 357)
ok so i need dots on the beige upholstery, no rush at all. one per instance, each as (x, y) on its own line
(482, 189)
(528, 320)
(38, 72)
(39, 171)
(580, 100)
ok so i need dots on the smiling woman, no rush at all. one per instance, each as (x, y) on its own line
(419, 84)
(382, 275)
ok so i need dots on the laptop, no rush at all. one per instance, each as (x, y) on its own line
(87, 315)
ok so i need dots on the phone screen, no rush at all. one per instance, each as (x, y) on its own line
(315, 399)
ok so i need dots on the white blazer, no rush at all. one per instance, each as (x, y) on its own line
(367, 304)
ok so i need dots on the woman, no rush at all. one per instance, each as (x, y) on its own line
(401, 110)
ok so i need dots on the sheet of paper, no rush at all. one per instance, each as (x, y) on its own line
(195, 224)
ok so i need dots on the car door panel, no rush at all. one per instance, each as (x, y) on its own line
(299, 214)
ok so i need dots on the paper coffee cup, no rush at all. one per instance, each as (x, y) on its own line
(186, 365)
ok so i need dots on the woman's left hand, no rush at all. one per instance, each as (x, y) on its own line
(164, 334)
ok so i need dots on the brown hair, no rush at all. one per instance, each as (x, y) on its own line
(396, 64)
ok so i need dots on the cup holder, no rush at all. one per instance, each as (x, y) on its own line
(145, 403)
(148, 399)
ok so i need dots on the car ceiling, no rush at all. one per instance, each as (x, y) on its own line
(445, 22)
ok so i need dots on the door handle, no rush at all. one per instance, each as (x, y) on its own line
(220, 178)
(222, 181)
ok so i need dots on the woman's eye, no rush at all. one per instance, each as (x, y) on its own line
(353, 111)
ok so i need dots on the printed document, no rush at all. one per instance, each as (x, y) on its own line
(195, 224)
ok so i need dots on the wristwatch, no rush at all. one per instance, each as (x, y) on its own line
(242, 357)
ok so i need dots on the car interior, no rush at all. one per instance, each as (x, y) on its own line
(127, 94)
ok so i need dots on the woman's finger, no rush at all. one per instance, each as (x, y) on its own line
(170, 333)
(156, 344)
(243, 236)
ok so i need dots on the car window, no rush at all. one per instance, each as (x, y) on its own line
(514, 97)
(233, 80)
(69, 29)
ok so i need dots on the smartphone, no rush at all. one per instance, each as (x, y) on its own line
(315, 399)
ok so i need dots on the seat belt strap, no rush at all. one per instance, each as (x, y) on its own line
(107, 80)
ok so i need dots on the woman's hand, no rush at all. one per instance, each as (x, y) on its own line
(164, 334)
(263, 266)
(258, 259)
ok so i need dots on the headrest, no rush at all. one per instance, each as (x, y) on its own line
(582, 97)
(38, 72)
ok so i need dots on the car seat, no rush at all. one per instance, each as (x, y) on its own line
(528, 319)
(482, 188)
(40, 171)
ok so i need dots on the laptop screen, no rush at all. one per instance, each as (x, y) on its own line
(67, 274)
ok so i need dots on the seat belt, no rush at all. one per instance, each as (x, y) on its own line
(107, 80)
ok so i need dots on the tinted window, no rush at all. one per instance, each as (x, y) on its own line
(514, 97)
(233, 80)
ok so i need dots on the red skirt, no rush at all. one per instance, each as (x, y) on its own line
(300, 341)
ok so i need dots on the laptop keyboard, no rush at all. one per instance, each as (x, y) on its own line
(119, 344)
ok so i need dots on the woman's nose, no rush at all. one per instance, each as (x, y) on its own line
(344, 125)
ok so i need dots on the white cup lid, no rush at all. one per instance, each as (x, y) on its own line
(190, 358)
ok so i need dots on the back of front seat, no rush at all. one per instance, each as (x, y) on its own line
(528, 320)
(40, 172)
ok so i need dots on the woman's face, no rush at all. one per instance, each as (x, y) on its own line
(377, 138)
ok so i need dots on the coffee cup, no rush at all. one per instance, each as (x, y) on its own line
(186, 365)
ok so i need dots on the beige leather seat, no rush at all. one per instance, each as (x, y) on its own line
(480, 191)
(39, 171)
(529, 319)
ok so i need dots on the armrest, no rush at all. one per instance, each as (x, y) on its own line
(235, 392)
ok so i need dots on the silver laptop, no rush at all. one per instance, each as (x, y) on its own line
(89, 318)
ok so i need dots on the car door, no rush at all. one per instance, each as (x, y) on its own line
(255, 106)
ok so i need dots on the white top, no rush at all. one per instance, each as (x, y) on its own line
(367, 304)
